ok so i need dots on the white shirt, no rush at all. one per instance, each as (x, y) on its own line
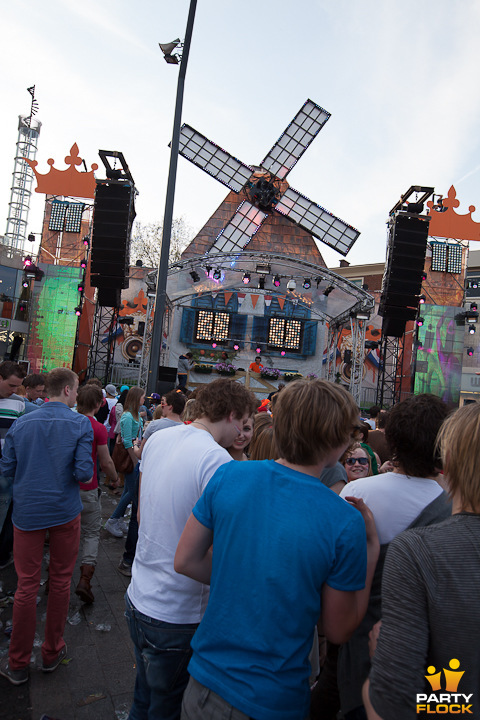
(176, 467)
(394, 499)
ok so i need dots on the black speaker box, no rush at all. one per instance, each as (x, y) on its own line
(167, 373)
(109, 297)
(164, 386)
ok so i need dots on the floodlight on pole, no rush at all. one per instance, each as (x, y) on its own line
(168, 54)
(161, 289)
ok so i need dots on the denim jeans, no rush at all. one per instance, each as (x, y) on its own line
(162, 653)
(131, 484)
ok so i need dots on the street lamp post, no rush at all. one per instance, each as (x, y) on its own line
(161, 291)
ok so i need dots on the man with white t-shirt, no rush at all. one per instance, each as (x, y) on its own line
(410, 496)
(163, 609)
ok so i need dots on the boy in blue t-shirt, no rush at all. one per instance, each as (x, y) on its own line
(286, 551)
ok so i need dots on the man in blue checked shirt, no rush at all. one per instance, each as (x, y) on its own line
(47, 453)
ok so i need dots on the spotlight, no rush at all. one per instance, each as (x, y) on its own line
(208, 269)
(25, 283)
(261, 283)
(420, 321)
(195, 276)
(424, 276)
(217, 274)
(328, 290)
(80, 288)
(31, 238)
(470, 351)
(246, 278)
(27, 261)
(291, 285)
(422, 300)
(236, 347)
(86, 241)
(214, 345)
(258, 350)
(474, 306)
(471, 329)
(276, 281)
(307, 284)
(78, 311)
(282, 353)
(83, 263)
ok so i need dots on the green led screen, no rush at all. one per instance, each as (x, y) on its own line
(438, 368)
(54, 323)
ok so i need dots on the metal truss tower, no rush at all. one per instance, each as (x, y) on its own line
(103, 344)
(389, 388)
(21, 190)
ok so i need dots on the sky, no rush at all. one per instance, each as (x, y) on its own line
(399, 79)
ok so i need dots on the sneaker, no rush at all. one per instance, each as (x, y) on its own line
(16, 677)
(125, 569)
(113, 527)
(53, 666)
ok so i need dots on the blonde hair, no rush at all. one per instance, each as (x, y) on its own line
(191, 411)
(313, 417)
(262, 445)
(459, 443)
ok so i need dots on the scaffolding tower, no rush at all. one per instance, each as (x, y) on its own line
(21, 190)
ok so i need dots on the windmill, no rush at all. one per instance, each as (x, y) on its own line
(265, 189)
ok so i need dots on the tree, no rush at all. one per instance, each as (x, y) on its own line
(147, 241)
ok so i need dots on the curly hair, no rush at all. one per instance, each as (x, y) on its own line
(411, 431)
(221, 397)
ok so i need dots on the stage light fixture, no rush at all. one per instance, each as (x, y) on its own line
(474, 306)
(328, 290)
(81, 287)
(86, 241)
(276, 281)
(422, 300)
(27, 261)
(217, 274)
(424, 276)
(31, 237)
(261, 283)
(282, 353)
(214, 345)
(420, 321)
(471, 329)
(258, 350)
(291, 285)
(470, 351)
(83, 263)
(307, 284)
(246, 278)
(236, 347)
(25, 283)
(78, 311)
(195, 276)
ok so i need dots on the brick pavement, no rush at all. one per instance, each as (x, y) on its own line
(97, 683)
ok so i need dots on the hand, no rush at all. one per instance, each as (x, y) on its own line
(387, 466)
(367, 517)
(373, 637)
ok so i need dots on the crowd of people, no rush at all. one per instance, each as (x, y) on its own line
(289, 559)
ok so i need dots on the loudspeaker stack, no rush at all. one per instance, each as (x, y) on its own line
(403, 276)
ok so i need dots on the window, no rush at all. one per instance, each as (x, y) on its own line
(283, 333)
(212, 326)
(66, 216)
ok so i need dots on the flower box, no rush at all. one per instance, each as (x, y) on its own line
(203, 369)
(225, 368)
(270, 373)
(289, 376)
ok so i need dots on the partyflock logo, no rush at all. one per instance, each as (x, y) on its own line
(442, 702)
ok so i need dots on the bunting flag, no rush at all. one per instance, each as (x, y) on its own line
(227, 298)
(241, 297)
(254, 299)
(281, 302)
(214, 295)
(268, 300)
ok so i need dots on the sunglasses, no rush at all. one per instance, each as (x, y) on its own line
(352, 461)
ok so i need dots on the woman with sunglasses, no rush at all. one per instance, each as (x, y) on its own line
(357, 462)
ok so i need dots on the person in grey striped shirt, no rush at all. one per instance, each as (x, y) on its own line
(427, 656)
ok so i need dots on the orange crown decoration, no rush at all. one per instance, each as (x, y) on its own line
(449, 224)
(67, 182)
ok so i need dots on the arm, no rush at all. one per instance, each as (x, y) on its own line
(194, 554)
(83, 464)
(343, 611)
(106, 463)
(371, 714)
(8, 462)
(127, 429)
(138, 506)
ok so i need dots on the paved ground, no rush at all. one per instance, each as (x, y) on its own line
(97, 683)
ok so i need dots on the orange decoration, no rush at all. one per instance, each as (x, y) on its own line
(281, 302)
(448, 224)
(254, 299)
(67, 182)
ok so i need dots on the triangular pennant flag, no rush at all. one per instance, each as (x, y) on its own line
(268, 300)
(281, 302)
(254, 299)
(214, 295)
(227, 298)
(241, 298)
